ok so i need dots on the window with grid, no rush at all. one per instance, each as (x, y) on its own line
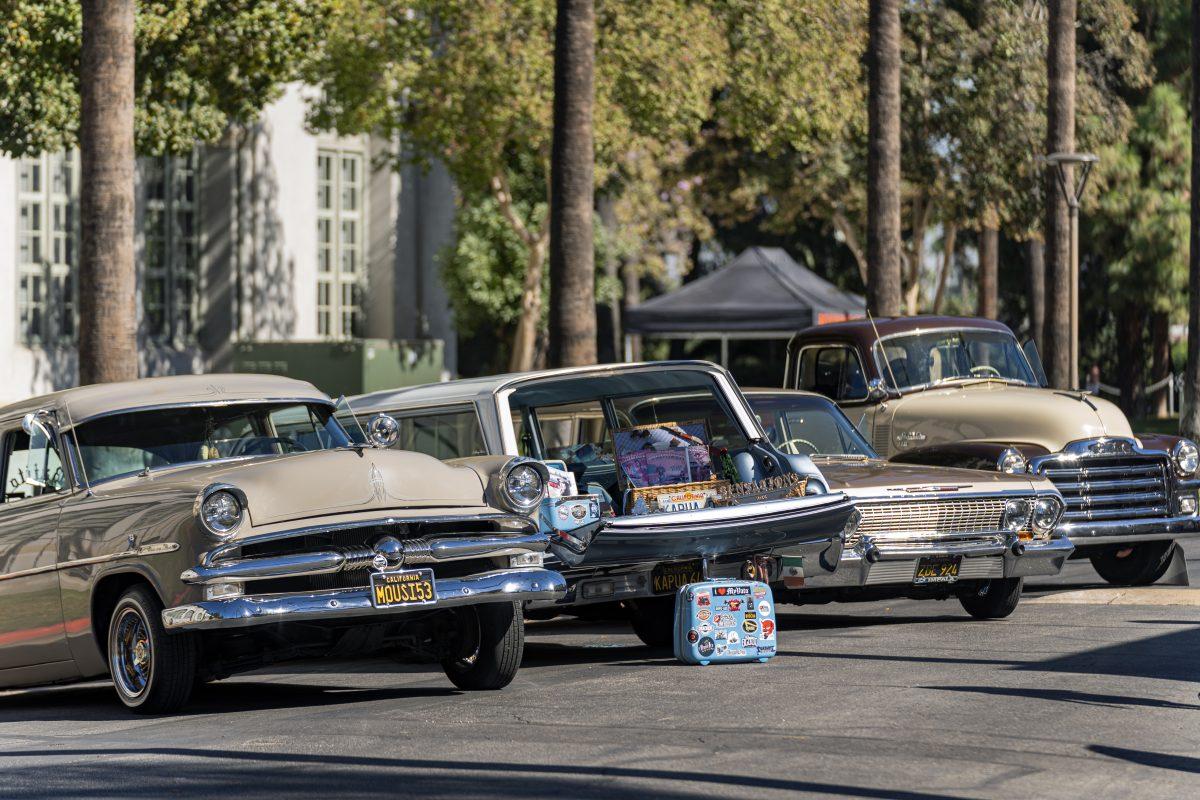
(170, 281)
(340, 236)
(47, 247)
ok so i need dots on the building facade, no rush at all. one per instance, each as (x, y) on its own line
(273, 235)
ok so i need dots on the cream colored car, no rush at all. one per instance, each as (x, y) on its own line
(952, 391)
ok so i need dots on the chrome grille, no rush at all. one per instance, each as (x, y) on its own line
(927, 518)
(1118, 487)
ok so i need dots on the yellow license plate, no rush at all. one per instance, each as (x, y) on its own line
(937, 569)
(409, 588)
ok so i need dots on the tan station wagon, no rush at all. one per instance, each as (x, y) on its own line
(953, 391)
(175, 530)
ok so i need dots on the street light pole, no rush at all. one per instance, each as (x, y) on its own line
(1064, 164)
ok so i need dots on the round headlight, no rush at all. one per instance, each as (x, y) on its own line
(524, 487)
(1045, 514)
(1011, 461)
(221, 512)
(1016, 515)
(1187, 456)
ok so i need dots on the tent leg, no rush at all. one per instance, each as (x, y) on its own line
(628, 348)
(725, 352)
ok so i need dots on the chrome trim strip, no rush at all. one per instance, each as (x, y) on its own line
(710, 517)
(144, 550)
(324, 562)
(504, 518)
(510, 585)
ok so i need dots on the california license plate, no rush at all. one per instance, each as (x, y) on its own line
(408, 588)
(667, 578)
(937, 569)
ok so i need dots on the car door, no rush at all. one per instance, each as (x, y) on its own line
(31, 621)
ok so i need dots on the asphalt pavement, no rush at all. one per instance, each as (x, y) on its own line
(1080, 693)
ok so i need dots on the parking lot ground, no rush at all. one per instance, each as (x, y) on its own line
(878, 700)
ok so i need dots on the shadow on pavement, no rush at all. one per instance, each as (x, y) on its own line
(97, 703)
(199, 772)
(798, 621)
(1173, 656)
(1149, 759)
(1068, 696)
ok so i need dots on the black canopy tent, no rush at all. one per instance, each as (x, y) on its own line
(761, 294)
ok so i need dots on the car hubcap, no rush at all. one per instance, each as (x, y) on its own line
(130, 653)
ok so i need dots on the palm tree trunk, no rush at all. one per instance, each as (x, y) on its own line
(989, 269)
(1160, 357)
(1060, 138)
(1037, 290)
(883, 158)
(572, 164)
(107, 281)
(1189, 423)
(949, 238)
(1131, 362)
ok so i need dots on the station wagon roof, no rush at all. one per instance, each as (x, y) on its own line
(85, 402)
(470, 389)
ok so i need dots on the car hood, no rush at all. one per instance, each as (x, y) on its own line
(330, 482)
(997, 412)
(862, 478)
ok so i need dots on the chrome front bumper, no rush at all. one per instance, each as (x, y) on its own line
(1131, 531)
(501, 586)
(896, 564)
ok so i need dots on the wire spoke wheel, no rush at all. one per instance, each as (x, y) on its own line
(131, 653)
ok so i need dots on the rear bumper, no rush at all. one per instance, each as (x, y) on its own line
(1117, 531)
(713, 532)
(897, 564)
(501, 586)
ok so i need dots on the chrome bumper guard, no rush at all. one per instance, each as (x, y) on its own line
(1130, 531)
(877, 562)
(501, 586)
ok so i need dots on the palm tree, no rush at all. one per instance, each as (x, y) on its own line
(1190, 421)
(107, 283)
(883, 158)
(1060, 138)
(572, 162)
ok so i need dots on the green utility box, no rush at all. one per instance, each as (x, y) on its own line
(350, 367)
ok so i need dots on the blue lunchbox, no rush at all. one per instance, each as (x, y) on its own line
(725, 621)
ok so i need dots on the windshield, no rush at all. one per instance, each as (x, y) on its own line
(121, 444)
(925, 359)
(809, 426)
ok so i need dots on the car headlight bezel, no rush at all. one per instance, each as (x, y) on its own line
(1012, 461)
(221, 509)
(1185, 456)
(514, 494)
(1017, 514)
(1046, 512)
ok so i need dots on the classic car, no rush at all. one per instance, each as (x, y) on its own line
(926, 532)
(953, 391)
(687, 483)
(170, 531)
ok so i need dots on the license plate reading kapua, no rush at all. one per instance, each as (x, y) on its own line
(410, 588)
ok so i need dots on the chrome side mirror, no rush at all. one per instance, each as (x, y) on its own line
(876, 390)
(383, 430)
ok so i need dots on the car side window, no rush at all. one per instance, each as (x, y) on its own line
(452, 434)
(834, 371)
(30, 471)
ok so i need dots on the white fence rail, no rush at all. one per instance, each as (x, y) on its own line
(1172, 383)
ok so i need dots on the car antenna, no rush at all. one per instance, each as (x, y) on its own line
(879, 344)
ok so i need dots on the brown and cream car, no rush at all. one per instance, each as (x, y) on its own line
(953, 391)
(175, 530)
(926, 532)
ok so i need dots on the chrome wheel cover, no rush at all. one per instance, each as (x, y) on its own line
(130, 654)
